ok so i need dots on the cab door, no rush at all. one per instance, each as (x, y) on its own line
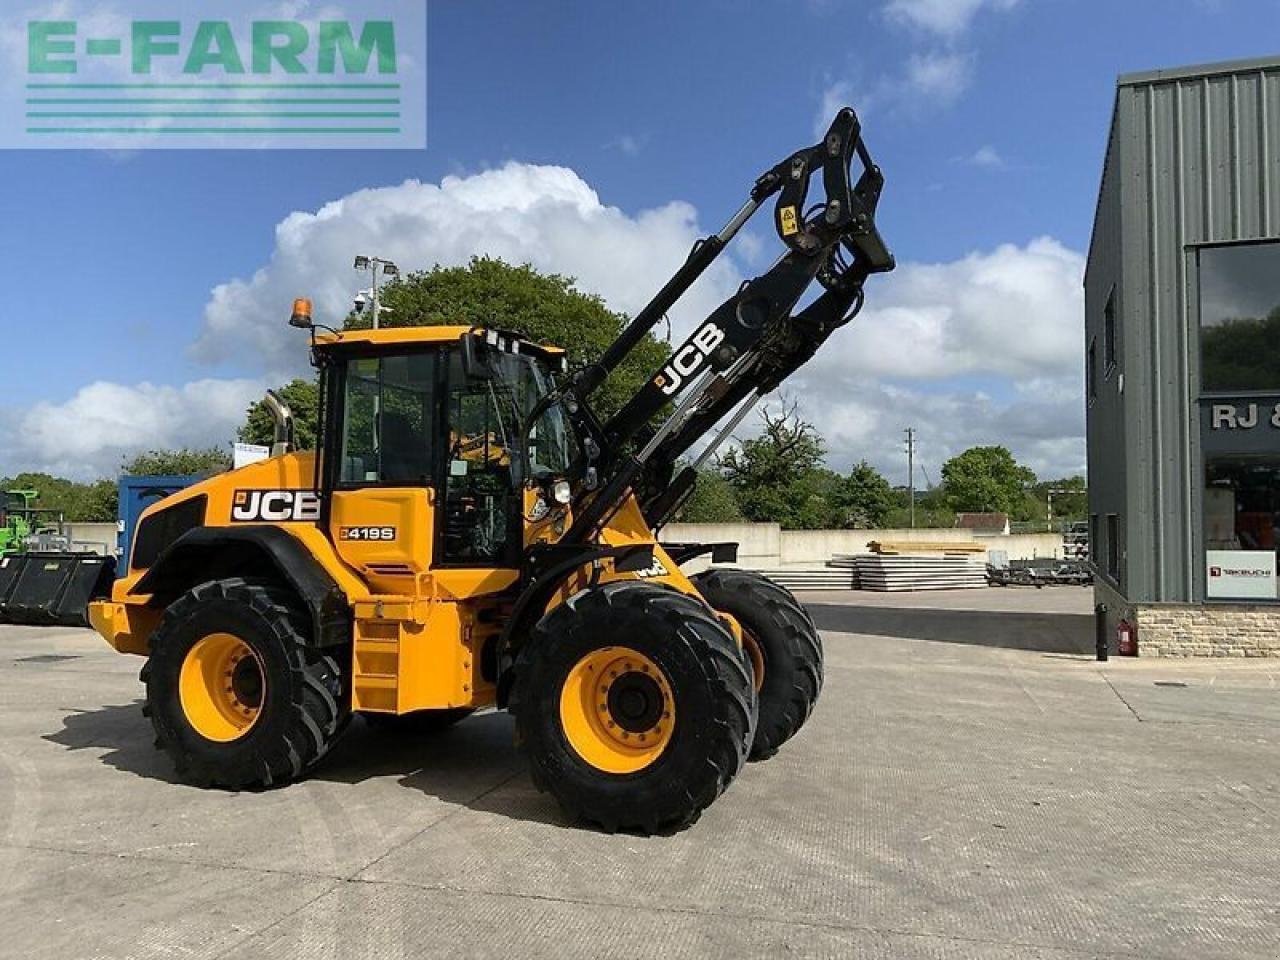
(381, 511)
(480, 520)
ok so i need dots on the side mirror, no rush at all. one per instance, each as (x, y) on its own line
(475, 361)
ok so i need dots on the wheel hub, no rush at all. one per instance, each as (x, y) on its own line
(635, 702)
(617, 710)
(221, 686)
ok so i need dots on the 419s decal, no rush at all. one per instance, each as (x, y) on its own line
(367, 533)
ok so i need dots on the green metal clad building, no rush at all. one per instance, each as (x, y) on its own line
(1182, 299)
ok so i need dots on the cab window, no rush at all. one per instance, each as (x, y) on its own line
(387, 420)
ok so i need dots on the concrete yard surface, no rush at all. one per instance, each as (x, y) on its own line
(972, 784)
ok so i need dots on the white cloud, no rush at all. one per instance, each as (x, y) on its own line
(628, 144)
(1012, 312)
(865, 419)
(1009, 319)
(837, 95)
(88, 435)
(982, 349)
(546, 216)
(986, 157)
(940, 77)
(946, 18)
(926, 81)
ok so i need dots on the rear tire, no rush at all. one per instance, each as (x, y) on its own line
(668, 671)
(780, 637)
(257, 710)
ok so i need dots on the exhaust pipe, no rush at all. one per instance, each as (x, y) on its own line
(283, 417)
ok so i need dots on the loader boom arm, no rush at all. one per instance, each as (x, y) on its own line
(751, 342)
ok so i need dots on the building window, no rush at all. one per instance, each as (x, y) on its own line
(1113, 547)
(1110, 347)
(1242, 527)
(1240, 318)
(1091, 369)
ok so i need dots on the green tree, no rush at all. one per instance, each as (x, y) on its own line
(778, 476)
(1241, 353)
(713, 501)
(868, 499)
(75, 501)
(546, 308)
(177, 462)
(1070, 501)
(100, 503)
(303, 399)
(985, 479)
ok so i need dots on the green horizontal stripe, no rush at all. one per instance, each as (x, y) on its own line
(102, 47)
(214, 113)
(199, 101)
(213, 130)
(213, 86)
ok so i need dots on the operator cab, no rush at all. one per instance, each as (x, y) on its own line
(448, 409)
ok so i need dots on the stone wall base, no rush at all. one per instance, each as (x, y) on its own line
(1190, 630)
(1209, 631)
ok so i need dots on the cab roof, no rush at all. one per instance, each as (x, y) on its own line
(411, 335)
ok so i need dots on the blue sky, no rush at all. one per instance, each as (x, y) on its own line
(987, 116)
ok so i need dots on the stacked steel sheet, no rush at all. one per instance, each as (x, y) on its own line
(817, 579)
(847, 562)
(893, 572)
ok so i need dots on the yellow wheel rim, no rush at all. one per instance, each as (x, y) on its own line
(617, 710)
(221, 687)
(751, 647)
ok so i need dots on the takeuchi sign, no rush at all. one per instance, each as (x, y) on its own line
(1241, 574)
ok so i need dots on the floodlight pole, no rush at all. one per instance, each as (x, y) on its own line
(911, 473)
(374, 265)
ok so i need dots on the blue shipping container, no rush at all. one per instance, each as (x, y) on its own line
(136, 494)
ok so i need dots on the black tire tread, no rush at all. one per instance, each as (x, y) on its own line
(317, 715)
(781, 719)
(730, 732)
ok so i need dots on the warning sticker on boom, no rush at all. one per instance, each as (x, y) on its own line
(790, 222)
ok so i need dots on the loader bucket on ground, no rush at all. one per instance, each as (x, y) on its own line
(48, 589)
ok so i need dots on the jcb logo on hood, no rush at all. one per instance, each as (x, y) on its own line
(275, 506)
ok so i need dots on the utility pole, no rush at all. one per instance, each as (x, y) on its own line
(375, 265)
(911, 474)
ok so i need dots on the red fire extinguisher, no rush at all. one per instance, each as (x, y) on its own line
(1126, 639)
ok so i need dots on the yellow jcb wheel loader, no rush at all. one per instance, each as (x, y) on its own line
(471, 534)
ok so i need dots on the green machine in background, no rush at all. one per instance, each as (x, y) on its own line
(43, 582)
(17, 510)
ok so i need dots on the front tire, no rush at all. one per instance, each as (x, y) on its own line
(781, 642)
(237, 696)
(634, 706)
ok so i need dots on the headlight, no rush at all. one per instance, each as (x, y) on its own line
(562, 492)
